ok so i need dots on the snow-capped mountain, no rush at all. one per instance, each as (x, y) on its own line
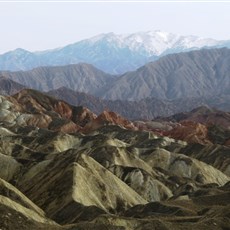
(110, 52)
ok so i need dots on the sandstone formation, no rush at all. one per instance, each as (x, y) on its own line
(63, 167)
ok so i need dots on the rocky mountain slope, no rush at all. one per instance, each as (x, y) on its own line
(80, 77)
(145, 109)
(63, 167)
(192, 74)
(9, 87)
(211, 125)
(195, 74)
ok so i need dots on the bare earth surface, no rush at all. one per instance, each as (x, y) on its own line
(64, 167)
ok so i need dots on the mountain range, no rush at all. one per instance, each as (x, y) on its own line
(145, 109)
(191, 74)
(79, 77)
(112, 53)
(64, 167)
(116, 132)
(172, 84)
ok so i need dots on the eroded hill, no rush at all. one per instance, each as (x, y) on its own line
(63, 167)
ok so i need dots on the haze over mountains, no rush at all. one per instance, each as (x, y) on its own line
(146, 109)
(111, 53)
(174, 83)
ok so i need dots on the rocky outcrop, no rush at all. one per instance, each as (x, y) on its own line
(32, 108)
(190, 131)
(108, 118)
(17, 211)
(202, 125)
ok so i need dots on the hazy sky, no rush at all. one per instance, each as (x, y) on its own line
(38, 26)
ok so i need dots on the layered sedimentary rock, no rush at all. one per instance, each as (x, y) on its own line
(104, 171)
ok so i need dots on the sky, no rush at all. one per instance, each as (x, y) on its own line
(46, 25)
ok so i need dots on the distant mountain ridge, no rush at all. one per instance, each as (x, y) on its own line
(9, 87)
(145, 109)
(110, 52)
(79, 77)
(193, 74)
(197, 73)
(173, 84)
(148, 108)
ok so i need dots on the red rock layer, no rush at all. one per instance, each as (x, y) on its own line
(189, 131)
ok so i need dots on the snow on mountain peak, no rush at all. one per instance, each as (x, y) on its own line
(150, 42)
(105, 36)
(153, 42)
(110, 52)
